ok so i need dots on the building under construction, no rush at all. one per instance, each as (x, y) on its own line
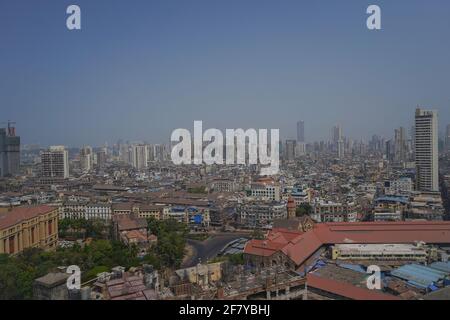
(9, 151)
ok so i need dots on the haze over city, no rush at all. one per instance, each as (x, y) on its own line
(138, 71)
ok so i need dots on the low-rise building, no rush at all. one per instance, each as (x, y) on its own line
(73, 210)
(402, 185)
(224, 185)
(52, 286)
(98, 211)
(28, 227)
(426, 205)
(266, 188)
(329, 211)
(384, 252)
(254, 214)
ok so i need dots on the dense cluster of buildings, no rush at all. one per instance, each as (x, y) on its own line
(334, 208)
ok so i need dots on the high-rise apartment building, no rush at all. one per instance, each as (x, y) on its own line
(9, 151)
(101, 157)
(336, 133)
(338, 141)
(55, 163)
(447, 138)
(400, 144)
(289, 152)
(86, 159)
(389, 150)
(139, 156)
(426, 150)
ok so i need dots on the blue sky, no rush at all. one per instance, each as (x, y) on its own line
(139, 69)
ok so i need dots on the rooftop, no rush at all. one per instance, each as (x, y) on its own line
(19, 214)
(345, 290)
(301, 246)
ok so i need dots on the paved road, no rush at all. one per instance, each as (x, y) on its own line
(204, 250)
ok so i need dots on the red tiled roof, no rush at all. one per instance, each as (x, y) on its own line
(262, 247)
(300, 246)
(345, 290)
(15, 216)
(136, 234)
(384, 232)
(286, 234)
(127, 224)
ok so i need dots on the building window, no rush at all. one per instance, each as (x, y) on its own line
(11, 245)
(32, 235)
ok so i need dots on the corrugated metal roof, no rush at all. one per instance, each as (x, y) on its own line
(419, 275)
(441, 266)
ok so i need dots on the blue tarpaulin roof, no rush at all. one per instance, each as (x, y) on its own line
(354, 267)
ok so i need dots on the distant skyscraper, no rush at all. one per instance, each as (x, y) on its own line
(426, 150)
(101, 157)
(338, 141)
(9, 151)
(159, 152)
(86, 159)
(139, 156)
(301, 131)
(389, 150)
(341, 149)
(400, 144)
(289, 151)
(336, 133)
(55, 163)
(412, 145)
(447, 138)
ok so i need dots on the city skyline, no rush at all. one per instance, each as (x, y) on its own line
(139, 72)
(327, 137)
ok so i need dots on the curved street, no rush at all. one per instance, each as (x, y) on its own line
(204, 250)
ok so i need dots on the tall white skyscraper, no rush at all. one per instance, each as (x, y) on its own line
(338, 141)
(55, 163)
(426, 150)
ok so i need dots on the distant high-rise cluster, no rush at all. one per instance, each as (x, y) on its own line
(426, 150)
(9, 151)
(138, 155)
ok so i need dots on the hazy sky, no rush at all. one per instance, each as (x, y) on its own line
(139, 69)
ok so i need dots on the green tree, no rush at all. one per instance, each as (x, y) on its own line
(303, 209)
(257, 234)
